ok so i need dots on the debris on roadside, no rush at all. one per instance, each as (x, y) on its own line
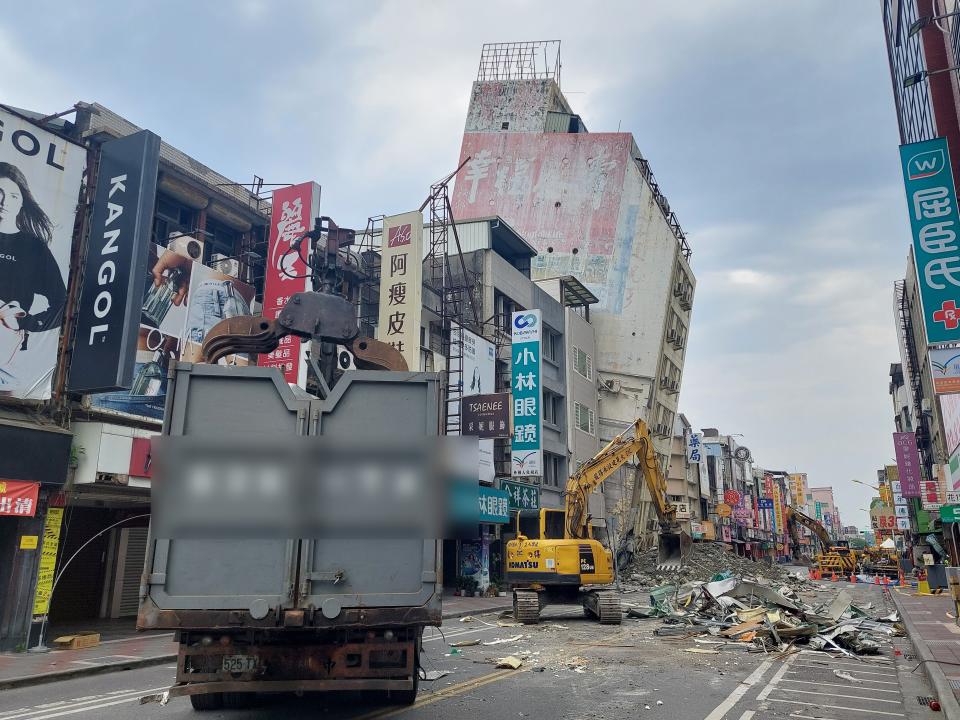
(431, 675)
(511, 662)
(762, 612)
(464, 643)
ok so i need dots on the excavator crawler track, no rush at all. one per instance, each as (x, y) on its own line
(526, 606)
(604, 606)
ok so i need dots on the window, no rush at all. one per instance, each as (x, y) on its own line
(553, 471)
(552, 344)
(582, 363)
(584, 418)
(553, 525)
(170, 216)
(504, 308)
(220, 239)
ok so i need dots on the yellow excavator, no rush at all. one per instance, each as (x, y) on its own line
(833, 556)
(554, 558)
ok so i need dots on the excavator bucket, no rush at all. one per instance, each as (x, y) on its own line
(673, 546)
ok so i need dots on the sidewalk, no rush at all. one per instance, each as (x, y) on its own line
(143, 650)
(936, 638)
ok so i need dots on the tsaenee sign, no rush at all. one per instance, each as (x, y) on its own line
(932, 205)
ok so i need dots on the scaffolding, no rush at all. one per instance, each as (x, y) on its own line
(531, 60)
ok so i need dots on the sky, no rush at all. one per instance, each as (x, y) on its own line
(770, 127)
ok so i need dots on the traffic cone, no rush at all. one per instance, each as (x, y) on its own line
(876, 579)
(833, 576)
(853, 578)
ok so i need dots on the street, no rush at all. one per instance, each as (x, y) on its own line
(572, 668)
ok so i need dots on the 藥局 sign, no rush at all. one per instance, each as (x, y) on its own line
(526, 453)
(932, 205)
(40, 177)
(908, 463)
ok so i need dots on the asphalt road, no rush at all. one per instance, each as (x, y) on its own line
(573, 668)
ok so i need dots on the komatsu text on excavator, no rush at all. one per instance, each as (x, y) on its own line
(554, 558)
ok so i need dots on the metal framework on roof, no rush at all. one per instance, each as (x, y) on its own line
(531, 60)
(575, 293)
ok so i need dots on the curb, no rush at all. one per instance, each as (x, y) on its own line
(948, 701)
(43, 678)
(49, 677)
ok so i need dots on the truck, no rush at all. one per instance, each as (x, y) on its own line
(293, 542)
(257, 612)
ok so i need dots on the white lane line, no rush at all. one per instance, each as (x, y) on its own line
(837, 707)
(866, 680)
(74, 711)
(836, 695)
(861, 672)
(739, 691)
(747, 714)
(37, 711)
(773, 682)
(809, 682)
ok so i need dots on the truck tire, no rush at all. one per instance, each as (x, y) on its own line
(207, 701)
(237, 700)
(405, 697)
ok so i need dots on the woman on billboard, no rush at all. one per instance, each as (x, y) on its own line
(32, 292)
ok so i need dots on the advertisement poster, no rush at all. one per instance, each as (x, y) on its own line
(18, 498)
(526, 451)
(950, 413)
(48, 560)
(945, 370)
(182, 300)
(293, 211)
(40, 180)
(477, 378)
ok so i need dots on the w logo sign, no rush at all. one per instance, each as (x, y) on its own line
(925, 164)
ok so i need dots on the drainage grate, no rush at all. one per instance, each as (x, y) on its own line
(924, 699)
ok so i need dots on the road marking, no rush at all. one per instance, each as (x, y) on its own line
(747, 714)
(808, 682)
(447, 692)
(739, 691)
(837, 707)
(836, 695)
(861, 672)
(40, 712)
(880, 682)
(773, 682)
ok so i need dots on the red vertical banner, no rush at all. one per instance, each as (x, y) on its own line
(294, 209)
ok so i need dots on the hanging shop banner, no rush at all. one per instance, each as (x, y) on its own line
(731, 497)
(40, 179)
(486, 416)
(908, 463)
(18, 498)
(903, 523)
(48, 561)
(932, 206)
(945, 370)
(108, 314)
(526, 453)
(521, 496)
(494, 505)
(293, 211)
(478, 375)
(723, 510)
(401, 285)
(778, 507)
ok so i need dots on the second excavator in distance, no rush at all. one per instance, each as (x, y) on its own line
(554, 558)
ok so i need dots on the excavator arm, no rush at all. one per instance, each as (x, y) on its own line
(635, 441)
(794, 516)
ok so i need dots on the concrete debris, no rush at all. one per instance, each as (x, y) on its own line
(499, 641)
(511, 662)
(764, 613)
(431, 675)
(846, 676)
(702, 651)
(464, 643)
(467, 618)
(705, 561)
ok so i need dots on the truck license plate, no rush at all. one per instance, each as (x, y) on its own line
(239, 663)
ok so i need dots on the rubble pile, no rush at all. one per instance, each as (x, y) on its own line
(767, 616)
(705, 561)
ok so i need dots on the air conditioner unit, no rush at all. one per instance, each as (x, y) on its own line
(186, 245)
(225, 264)
(345, 358)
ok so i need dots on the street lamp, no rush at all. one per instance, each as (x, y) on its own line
(861, 482)
(918, 77)
(920, 23)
